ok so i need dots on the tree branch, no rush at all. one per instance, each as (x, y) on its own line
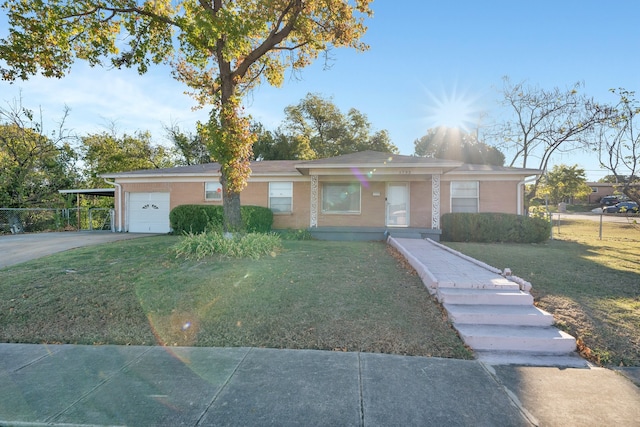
(123, 10)
(293, 9)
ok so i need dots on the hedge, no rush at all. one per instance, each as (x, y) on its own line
(493, 227)
(200, 218)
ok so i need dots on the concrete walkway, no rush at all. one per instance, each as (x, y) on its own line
(171, 386)
(493, 314)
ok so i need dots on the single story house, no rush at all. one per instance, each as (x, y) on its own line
(600, 190)
(603, 189)
(363, 195)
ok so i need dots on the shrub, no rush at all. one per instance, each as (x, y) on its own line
(252, 245)
(256, 219)
(200, 218)
(494, 227)
(195, 218)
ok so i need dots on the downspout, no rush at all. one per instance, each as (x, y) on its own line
(119, 202)
(520, 197)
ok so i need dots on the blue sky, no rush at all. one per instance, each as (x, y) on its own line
(426, 58)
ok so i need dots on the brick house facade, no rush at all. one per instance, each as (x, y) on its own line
(359, 191)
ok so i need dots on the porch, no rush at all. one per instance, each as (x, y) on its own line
(373, 233)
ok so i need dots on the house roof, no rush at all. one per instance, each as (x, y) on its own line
(107, 192)
(377, 159)
(363, 159)
(270, 167)
(473, 169)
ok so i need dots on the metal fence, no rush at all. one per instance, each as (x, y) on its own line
(18, 220)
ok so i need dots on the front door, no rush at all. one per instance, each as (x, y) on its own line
(397, 204)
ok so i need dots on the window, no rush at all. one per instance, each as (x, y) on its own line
(281, 196)
(464, 196)
(212, 191)
(341, 197)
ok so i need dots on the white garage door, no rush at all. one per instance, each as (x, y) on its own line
(149, 213)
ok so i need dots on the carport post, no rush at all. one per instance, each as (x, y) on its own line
(78, 206)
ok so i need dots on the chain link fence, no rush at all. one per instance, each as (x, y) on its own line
(18, 220)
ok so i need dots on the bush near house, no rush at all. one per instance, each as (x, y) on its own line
(200, 218)
(208, 244)
(493, 227)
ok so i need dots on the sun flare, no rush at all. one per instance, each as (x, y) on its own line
(453, 109)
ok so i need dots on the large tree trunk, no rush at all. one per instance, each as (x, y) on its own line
(232, 221)
(233, 150)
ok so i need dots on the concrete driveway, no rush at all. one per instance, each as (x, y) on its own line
(19, 248)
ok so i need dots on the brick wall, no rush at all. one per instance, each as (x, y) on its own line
(499, 196)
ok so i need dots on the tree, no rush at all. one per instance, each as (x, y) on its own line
(360, 138)
(545, 122)
(315, 128)
(277, 145)
(619, 148)
(107, 152)
(455, 144)
(189, 146)
(563, 183)
(219, 48)
(33, 167)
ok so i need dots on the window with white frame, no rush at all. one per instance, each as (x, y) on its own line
(465, 196)
(281, 197)
(340, 197)
(213, 191)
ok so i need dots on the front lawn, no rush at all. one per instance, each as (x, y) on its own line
(345, 296)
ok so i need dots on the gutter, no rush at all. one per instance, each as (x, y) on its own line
(119, 202)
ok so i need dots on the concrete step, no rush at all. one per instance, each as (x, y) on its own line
(520, 315)
(491, 282)
(528, 358)
(537, 340)
(483, 296)
(405, 234)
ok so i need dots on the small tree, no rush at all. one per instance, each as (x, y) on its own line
(563, 183)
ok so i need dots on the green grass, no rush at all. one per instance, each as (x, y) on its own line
(591, 286)
(347, 296)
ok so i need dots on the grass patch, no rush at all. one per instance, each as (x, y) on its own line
(351, 296)
(591, 286)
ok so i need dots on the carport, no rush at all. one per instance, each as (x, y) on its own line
(97, 192)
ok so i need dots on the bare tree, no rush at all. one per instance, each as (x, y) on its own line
(619, 147)
(544, 123)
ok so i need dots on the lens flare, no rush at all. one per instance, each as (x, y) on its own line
(453, 109)
(360, 177)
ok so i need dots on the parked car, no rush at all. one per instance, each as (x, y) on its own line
(622, 207)
(609, 201)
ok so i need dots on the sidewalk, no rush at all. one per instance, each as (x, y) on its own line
(170, 386)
